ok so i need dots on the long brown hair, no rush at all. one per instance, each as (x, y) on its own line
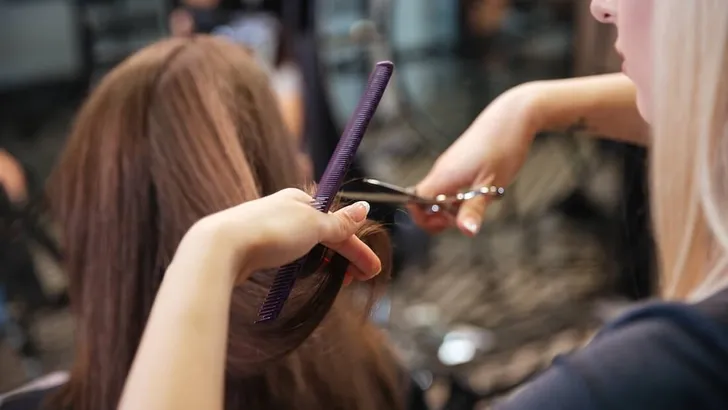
(185, 128)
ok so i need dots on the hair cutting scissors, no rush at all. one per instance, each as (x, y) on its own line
(394, 194)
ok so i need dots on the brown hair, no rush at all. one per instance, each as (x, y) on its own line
(182, 129)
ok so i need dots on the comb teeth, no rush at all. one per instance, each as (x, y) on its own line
(331, 182)
(280, 290)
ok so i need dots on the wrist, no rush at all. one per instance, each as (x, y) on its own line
(211, 247)
(531, 101)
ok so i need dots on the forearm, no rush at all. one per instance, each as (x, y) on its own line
(604, 104)
(181, 359)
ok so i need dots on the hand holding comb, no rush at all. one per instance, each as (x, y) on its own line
(331, 182)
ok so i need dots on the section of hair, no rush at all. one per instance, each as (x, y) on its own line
(182, 129)
(312, 298)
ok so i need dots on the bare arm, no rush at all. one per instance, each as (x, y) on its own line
(604, 103)
(495, 146)
(181, 358)
(180, 363)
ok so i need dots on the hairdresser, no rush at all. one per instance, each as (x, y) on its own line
(666, 355)
(193, 303)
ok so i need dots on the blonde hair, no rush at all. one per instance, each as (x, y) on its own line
(690, 146)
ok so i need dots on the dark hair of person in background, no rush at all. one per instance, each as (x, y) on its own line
(182, 129)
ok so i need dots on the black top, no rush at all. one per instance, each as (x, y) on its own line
(661, 356)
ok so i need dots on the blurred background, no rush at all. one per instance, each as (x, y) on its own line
(566, 249)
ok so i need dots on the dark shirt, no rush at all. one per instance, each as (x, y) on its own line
(662, 356)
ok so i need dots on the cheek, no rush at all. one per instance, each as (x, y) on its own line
(644, 103)
(634, 25)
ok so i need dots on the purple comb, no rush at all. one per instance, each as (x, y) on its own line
(331, 182)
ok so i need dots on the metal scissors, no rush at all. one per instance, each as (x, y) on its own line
(394, 194)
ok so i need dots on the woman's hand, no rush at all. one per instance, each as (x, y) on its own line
(277, 229)
(495, 146)
(490, 152)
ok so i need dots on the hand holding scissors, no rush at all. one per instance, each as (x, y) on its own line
(394, 194)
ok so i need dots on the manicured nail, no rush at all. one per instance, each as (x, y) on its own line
(471, 226)
(348, 279)
(379, 270)
(358, 211)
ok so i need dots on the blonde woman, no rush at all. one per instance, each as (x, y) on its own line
(675, 78)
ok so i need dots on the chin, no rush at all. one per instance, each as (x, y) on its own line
(644, 108)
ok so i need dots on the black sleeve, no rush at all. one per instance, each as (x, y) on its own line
(668, 357)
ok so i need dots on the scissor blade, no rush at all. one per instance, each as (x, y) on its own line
(392, 187)
(381, 197)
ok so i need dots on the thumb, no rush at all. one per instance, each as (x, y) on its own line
(445, 177)
(470, 215)
(434, 183)
(344, 223)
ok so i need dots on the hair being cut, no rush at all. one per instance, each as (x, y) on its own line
(185, 128)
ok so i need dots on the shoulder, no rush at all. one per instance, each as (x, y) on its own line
(662, 355)
(33, 395)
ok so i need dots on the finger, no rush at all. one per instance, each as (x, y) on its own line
(295, 194)
(445, 177)
(429, 222)
(355, 274)
(343, 223)
(470, 215)
(361, 257)
(435, 183)
(348, 279)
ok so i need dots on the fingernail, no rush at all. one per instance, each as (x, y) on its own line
(471, 226)
(358, 211)
(379, 270)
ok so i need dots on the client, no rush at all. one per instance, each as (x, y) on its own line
(185, 128)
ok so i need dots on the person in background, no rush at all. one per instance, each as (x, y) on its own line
(258, 26)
